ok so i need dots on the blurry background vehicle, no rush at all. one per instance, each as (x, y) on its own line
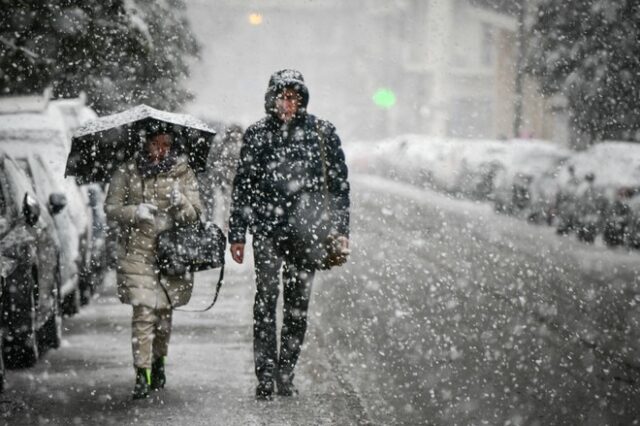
(633, 230)
(534, 180)
(566, 203)
(591, 208)
(485, 185)
(543, 190)
(31, 311)
(617, 220)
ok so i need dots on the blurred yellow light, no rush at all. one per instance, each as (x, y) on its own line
(255, 19)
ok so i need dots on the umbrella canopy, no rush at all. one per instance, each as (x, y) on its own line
(101, 145)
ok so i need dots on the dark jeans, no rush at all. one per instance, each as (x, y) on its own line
(297, 290)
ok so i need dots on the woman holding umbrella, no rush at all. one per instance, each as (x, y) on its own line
(149, 194)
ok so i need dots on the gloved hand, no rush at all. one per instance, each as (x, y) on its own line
(146, 212)
(175, 196)
(343, 244)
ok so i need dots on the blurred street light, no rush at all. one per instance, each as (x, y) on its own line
(255, 19)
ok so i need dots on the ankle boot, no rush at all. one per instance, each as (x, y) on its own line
(143, 383)
(158, 378)
(264, 390)
(285, 385)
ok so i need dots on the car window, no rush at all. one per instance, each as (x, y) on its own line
(24, 165)
(18, 182)
(44, 175)
(22, 162)
(39, 180)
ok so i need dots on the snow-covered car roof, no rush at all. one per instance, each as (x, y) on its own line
(614, 164)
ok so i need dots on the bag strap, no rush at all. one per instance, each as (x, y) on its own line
(166, 293)
(142, 186)
(323, 155)
(215, 296)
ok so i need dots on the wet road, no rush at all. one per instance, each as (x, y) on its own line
(446, 314)
(451, 314)
(210, 380)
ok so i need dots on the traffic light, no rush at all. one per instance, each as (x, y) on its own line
(384, 98)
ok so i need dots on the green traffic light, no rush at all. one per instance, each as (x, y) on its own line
(384, 98)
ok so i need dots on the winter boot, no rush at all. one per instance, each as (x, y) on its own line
(285, 385)
(287, 389)
(143, 383)
(264, 391)
(158, 378)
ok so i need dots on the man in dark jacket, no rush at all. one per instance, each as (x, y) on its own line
(282, 185)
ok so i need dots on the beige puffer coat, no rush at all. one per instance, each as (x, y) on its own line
(137, 273)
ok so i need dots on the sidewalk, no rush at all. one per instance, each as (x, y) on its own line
(210, 370)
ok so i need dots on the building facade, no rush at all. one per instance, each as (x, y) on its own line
(442, 67)
(459, 62)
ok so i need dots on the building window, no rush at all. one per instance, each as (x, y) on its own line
(471, 118)
(416, 32)
(487, 50)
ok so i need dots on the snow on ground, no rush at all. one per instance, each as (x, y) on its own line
(501, 228)
(531, 179)
(446, 163)
(436, 286)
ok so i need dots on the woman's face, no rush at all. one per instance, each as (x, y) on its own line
(158, 147)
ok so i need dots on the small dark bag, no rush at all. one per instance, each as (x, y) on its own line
(310, 243)
(190, 248)
(317, 250)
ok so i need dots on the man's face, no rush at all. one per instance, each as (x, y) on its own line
(287, 104)
(158, 147)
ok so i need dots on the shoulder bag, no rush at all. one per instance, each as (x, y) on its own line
(316, 247)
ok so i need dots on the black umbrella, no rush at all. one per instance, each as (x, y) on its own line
(100, 145)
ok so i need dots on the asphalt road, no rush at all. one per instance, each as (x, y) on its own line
(210, 380)
(449, 313)
(446, 314)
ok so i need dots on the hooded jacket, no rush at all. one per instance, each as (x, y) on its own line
(137, 272)
(280, 179)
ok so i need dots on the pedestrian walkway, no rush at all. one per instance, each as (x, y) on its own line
(210, 378)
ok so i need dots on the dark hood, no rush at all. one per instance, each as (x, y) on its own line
(281, 80)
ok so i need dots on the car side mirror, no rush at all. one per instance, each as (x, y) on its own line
(30, 209)
(57, 202)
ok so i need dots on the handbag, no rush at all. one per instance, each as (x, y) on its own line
(321, 253)
(188, 248)
(312, 245)
(191, 247)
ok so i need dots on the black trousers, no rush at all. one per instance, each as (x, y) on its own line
(296, 292)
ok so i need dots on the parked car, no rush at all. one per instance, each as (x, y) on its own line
(31, 318)
(617, 220)
(76, 113)
(7, 266)
(45, 186)
(592, 205)
(43, 129)
(633, 231)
